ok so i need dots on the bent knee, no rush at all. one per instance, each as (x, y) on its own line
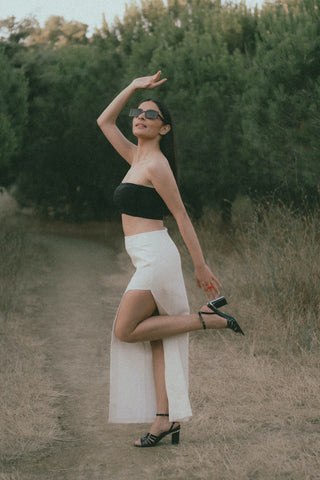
(122, 334)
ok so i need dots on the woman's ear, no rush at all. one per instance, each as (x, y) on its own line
(165, 129)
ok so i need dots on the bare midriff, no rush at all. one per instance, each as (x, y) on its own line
(135, 225)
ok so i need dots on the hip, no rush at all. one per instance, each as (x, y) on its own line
(152, 247)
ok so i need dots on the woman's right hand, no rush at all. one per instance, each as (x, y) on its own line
(147, 83)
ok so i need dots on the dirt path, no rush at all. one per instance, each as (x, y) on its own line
(80, 300)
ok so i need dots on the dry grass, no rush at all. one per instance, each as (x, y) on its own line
(28, 412)
(11, 476)
(270, 266)
(256, 398)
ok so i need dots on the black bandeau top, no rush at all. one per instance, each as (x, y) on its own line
(139, 201)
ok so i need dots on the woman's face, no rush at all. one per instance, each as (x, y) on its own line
(149, 127)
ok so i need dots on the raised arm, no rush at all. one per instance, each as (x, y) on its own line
(108, 118)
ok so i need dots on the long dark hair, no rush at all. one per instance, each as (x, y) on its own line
(168, 141)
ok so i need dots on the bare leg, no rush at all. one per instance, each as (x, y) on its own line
(135, 323)
(159, 376)
(161, 424)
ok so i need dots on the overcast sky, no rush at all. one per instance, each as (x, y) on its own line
(85, 11)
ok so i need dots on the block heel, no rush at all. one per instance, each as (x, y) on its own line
(214, 305)
(175, 439)
(151, 440)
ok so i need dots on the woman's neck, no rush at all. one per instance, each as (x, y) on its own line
(147, 147)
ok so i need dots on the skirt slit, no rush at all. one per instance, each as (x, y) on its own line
(132, 390)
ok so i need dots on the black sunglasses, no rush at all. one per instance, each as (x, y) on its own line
(150, 114)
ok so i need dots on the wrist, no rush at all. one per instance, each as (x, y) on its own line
(200, 265)
(133, 86)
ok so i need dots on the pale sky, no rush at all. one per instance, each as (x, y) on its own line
(85, 11)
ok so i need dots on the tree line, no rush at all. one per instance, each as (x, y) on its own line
(243, 87)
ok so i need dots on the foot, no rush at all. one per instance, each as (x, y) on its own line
(213, 321)
(231, 321)
(160, 425)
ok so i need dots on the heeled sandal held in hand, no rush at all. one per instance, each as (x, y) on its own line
(214, 305)
(151, 440)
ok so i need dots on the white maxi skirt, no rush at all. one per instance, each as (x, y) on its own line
(132, 390)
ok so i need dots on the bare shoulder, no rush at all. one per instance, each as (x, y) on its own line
(159, 167)
(161, 175)
(163, 180)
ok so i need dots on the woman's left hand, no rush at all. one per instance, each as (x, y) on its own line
(149, 82)
(207, 281)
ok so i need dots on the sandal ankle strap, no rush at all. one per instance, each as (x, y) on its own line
(204, 326)
(162, 414)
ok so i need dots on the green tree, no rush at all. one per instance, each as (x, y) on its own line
(243, 87)
(65, 166)
(13, 116)
(281, 120)
(58, 32)
(14, 34)
(206, 80)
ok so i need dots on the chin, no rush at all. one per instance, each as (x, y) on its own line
(141, 133)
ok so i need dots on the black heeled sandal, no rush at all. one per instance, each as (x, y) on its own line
(214, 305)
(151, 440)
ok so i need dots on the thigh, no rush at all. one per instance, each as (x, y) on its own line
(135, 306)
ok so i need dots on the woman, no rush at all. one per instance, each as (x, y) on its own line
(149, 349)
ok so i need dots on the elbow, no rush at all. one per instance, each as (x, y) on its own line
(103, 120)
(105, 125)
